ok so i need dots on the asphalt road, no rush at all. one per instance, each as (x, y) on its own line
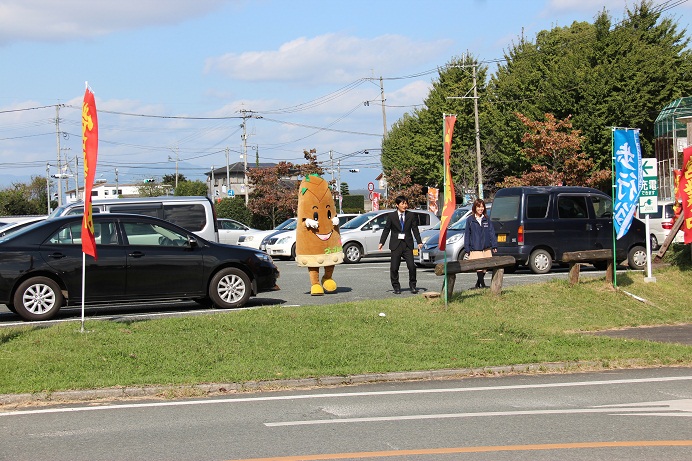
(632, 415)
(367, 280)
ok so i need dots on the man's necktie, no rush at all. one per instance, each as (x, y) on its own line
(401, 220)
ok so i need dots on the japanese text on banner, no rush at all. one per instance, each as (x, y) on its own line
(628, 178)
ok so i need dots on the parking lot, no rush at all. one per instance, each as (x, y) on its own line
(367, 280)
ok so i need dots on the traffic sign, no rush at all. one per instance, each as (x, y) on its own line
(371, 186)
(648, 197)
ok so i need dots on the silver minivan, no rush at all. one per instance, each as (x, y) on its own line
(196, 214)
(360, 236)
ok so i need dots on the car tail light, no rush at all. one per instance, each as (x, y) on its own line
(667, 225)
(520, 235)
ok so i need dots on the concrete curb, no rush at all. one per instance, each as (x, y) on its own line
(211, 389)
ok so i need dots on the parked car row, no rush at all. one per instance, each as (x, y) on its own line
(176, 248)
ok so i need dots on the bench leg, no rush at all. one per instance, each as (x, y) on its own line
(496, 281)
(574, 269)
(609, 271)
(448, 284)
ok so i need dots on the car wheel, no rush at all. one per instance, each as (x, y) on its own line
(540, 262)
(352, 253)
(636, 258)
(230, 288)
(38, 298)
(293, 252)
(460, 256)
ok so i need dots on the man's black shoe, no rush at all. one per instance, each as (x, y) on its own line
(397, 291)
(414, 290)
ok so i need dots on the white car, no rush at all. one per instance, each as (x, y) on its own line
(360, 236)
(230, 230)
(253, 239)
(282, 244)
(660, 224)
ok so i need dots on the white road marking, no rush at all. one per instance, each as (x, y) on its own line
(213, 401)
(673, 408)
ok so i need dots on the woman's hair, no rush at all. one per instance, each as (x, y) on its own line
(478, 202)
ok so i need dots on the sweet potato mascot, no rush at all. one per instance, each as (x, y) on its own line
(318, 241)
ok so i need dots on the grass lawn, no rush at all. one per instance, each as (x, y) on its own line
(528, 324)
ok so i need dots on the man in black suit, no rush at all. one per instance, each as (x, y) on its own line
(403, 227)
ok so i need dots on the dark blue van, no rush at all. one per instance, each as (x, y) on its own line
(536, 225)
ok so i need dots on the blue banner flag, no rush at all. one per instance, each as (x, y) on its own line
(627, 153)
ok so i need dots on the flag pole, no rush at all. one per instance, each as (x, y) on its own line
(613, 194)
(444, 188)
(83, 289)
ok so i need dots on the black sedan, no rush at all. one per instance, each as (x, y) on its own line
(139, 258)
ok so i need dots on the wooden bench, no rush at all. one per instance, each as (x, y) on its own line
(496, 264)
(576, 258)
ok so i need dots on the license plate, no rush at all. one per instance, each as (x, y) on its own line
(426, 256)
(415, 252)
(501, 238)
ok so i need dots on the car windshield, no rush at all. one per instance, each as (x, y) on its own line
(358, 221)
(284, 225)
(459, 225)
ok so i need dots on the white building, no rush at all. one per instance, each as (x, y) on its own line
(104, 191)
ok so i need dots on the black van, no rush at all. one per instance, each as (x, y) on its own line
(537, 225)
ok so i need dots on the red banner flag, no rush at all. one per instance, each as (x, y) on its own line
(685, 190)
(450, 202)
(90, 144)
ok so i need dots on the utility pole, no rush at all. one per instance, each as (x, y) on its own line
(478, 130)
(57, 139)
(478, 135)
(384, 115)
(176, 164)
(228, 171)
(117, 192)
(338, 187)
(211, 183)
(331, 161)
(48, 187)
(245, 186)
(76, 177)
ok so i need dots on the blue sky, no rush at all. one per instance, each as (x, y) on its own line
(171, 77)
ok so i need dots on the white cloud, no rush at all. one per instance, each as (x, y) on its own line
(51, 20)
(328, 58)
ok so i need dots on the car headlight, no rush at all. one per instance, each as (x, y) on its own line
(425, 239)
(283, 240)
(265, 257)
(454, 238)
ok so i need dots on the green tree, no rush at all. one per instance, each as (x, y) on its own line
(344, 189)
(150, 189)
(24, 199)
(234, 208)
(192, 188)
(170, 179)
(414, 142)
(602, 74)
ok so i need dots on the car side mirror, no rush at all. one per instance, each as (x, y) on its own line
(376, 227)
(192, 242)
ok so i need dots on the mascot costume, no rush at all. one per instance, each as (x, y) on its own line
(318, 241)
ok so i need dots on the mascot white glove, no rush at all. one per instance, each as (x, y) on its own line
(311, 223)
